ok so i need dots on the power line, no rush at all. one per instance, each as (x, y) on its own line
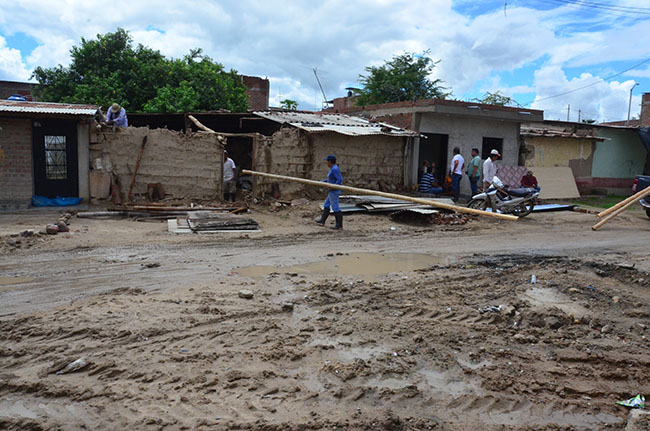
(605, 12)
(605, 6)
(589, 85)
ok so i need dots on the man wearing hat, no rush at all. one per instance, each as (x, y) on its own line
(116, 116)
(333, 177)
(489, 168)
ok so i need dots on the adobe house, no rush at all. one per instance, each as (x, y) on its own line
(44, 149)
(445, 124)
(604, 159)
(295, 143)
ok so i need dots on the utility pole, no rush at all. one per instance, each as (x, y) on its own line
(579, 112)
(325, 104)
(568, 111)
(629, 105)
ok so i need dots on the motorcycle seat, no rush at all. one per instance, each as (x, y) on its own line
(520, 193)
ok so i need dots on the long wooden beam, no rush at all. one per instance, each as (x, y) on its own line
(621, 207)
(359, 191)
(635, 197)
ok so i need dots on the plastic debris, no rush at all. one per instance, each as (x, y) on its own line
(637, 402)
(533, 279)
(73, 366)
(491, 309)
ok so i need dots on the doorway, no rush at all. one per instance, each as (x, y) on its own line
(434, 149)
(54, 150)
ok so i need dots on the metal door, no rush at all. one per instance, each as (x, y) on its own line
(54, 145)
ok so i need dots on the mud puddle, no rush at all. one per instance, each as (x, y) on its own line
(368, 266)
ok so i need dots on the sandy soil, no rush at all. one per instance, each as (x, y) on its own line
(380, 326)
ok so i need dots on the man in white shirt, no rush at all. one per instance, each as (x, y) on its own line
(489, 168)
(229, 175)
(457, 164)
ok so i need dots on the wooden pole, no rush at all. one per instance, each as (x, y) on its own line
(135, 171)
(635, 197)
(645, 192)
(206, 129)
(359, 191)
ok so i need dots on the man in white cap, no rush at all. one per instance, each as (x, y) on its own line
(116, 116)
(489, 168)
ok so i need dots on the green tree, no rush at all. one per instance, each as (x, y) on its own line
(497, 99)
(405, 77)
(289, 104)
(109, 69)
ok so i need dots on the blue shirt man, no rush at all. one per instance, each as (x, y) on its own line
(333, 177)
(428, 184)
(116, 116)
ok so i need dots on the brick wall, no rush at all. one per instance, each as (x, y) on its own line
(186, 166)
(7, 88)
(375, 162)
(645, 110)
(258, 92)
(16, 185)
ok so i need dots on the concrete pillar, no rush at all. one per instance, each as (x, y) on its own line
(83, 159)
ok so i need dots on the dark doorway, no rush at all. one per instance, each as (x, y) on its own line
(490, 144)
(54, 144)
(434, 149)
(240, 150)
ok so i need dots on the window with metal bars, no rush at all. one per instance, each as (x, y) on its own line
(56, 167)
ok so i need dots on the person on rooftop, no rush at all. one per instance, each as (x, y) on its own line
(116, 116)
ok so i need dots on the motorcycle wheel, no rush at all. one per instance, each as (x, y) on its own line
(524, 209)
(478, 204)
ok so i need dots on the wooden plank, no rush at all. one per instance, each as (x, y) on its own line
(137, 167)
(646, 192)
(635, 197)
(356, 190)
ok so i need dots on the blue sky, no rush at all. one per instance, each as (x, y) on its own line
(533, 50)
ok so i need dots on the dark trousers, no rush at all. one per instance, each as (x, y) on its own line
(455, 185)
(473, 183)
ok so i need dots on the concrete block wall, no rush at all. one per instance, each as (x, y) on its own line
(467, 134)
(186, 166)
(16, 184)
(365, 161)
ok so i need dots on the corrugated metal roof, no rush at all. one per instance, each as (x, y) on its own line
(46, 108)
(314, 122)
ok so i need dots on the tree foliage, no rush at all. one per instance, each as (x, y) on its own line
(497, 99)
(405, 77)
(289, 104)
(109, 69)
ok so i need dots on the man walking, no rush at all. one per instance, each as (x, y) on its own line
(474, 171)
(457, 164)
(333, 177)
(489, 168)
(229, 181)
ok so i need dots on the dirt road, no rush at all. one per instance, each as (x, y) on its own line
(348, 332)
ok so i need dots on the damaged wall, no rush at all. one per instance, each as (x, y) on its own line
(187, 166)
(374, 161)
(16, 185)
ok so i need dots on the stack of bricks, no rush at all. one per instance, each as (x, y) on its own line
(15, 161)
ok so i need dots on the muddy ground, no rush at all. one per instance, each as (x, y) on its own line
(384, 325)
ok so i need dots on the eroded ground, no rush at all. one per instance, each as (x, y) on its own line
(458, 338)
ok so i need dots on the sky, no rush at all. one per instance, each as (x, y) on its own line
(530, 50)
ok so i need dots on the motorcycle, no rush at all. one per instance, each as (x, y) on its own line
(497, 197)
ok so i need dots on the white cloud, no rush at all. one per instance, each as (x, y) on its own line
(605, 101)
(285, 40)
(12, 67)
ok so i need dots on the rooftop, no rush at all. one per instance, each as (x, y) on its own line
(24, 107)
(321, 122)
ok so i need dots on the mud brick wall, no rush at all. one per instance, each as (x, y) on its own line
(187, 166)
(16, 184)
(375, 162)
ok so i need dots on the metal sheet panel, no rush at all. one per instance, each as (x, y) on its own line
(315, 122)
(46, 108)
